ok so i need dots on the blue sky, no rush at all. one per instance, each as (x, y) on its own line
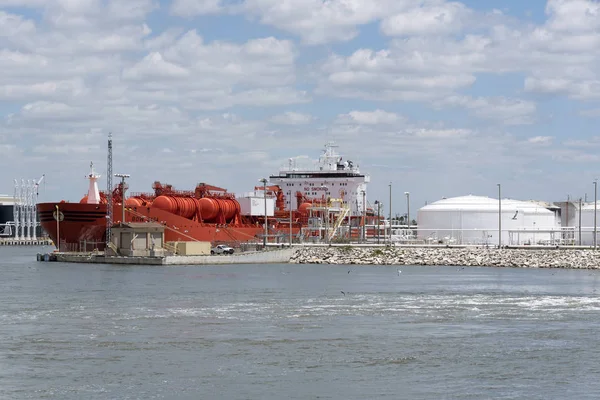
(440, 98)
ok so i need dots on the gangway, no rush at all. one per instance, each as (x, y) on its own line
(343, 213)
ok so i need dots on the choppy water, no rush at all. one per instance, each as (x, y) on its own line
(70, 331)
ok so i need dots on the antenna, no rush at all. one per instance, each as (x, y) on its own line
(109, 189)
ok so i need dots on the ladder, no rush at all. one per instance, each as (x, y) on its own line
(113, 247)
(338, 222)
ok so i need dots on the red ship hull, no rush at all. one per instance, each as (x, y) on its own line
(78, 223)
(82, 227)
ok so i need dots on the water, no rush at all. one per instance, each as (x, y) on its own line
(72, 331)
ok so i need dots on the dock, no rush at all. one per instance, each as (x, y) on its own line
(279, 256)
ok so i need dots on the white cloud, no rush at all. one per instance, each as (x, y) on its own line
(23, 3)
(292, 118)
(154, 67)
(317, 21)
(506, 111)
(369, 117)
(446, 45)
(573, 15)
(186, 8)
(540, 140)
(12, 25)
(48, 90)
(74, 70)
(389, 75)
(440, 133)
(425, 20)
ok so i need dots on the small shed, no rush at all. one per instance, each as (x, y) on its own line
(189, 248)
(139, 239)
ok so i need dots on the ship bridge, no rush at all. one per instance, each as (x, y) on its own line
(330, 176)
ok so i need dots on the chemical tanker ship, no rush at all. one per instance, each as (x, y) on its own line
(330, 199)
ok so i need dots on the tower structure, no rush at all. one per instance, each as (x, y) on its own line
(34, 199)
(23, 211)
(17, 210)
(109, 189)
(28, 208)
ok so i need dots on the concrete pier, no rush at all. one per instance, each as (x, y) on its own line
(572, 258)
(255, 257)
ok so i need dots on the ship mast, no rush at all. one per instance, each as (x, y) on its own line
(109, 188)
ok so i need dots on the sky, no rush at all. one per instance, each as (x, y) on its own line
(439, 98)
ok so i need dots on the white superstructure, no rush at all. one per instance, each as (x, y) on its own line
(93, 195)
(329, 177)
(474, 220)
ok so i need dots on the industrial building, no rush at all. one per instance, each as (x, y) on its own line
(578, 219)
(475, 220)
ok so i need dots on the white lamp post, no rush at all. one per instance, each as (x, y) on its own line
(499, 216)
(264, 181)
(390, 186)
(290, 206)
(408, 212)
(595, 211)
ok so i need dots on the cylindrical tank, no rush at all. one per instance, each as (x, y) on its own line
(190, 207)
(186, 207)
(209, 208)
(228, 208)
(182, 206)
(474, 220)
(133, 202)
(587, 224)
(165, 203)
(303, 208)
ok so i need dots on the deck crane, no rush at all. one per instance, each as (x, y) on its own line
(33, 218)
(37, 186)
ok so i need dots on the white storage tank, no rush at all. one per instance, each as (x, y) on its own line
(474, 220)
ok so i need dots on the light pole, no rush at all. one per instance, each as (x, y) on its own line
(390, 186)
(499, 216)
(122, 176)
(290, 197)
(378, 204)
(408, 212)
(595, 210)
(364, 219)
(57, 228)
(326, 189)
(579, 220)
(264, 181)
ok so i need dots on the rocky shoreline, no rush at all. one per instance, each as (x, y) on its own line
(468, 257)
